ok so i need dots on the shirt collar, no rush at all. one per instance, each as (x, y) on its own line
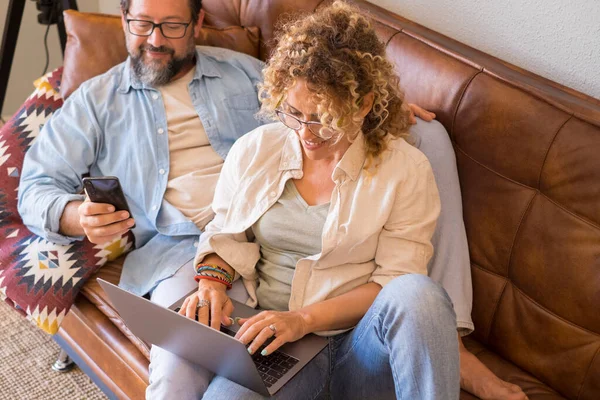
(205, 66)
(351, 163)
(353, 160)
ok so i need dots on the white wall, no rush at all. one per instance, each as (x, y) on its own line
(30, 58)
(557, 39)
(109, 6)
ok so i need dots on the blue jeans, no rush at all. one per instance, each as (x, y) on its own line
(405, 347)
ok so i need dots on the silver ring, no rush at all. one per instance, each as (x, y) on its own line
(272, 327)
(202, 303)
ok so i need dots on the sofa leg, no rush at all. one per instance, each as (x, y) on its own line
(63, 363)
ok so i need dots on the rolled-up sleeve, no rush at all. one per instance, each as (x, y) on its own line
(53, 167)
(404, 245)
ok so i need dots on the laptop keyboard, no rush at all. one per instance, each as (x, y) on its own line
(271, 367)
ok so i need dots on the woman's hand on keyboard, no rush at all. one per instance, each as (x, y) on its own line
(280, 326)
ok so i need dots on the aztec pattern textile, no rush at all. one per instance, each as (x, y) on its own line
(38, 278)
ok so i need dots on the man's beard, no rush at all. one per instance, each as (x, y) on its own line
(154, 73)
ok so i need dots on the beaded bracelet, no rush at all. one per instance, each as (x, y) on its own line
(197, 278)
(200, 268)
(226, 281)
(200, 265)
(218, 274)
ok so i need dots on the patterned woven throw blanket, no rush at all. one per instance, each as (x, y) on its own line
(38, 278)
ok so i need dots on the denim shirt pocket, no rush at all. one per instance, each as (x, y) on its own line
(241, 119)
(245, 101)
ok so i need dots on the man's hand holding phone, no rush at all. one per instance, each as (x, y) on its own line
(102, 223)
(104, 215)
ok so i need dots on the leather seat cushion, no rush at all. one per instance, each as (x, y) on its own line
(111, 272)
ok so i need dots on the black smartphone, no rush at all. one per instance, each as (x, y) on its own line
(106, 189)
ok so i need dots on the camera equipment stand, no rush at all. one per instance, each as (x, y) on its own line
(11, 33)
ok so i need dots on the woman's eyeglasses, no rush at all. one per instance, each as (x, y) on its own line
(316, 128)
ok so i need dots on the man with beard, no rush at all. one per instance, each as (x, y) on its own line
(162, 122)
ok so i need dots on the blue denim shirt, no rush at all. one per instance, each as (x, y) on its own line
(115, 125)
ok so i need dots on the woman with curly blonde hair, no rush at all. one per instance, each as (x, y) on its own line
(327, 216)
(343, 64)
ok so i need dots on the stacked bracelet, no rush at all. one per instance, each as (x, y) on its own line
(197, 278)
(215, 268)
(213, 273)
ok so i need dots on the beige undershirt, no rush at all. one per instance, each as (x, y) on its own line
(194, 166)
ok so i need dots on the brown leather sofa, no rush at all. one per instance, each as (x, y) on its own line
(527, 152)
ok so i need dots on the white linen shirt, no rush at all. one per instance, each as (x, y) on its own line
(379, 225)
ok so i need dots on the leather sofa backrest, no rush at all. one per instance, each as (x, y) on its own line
(260, 13)
(529, 165)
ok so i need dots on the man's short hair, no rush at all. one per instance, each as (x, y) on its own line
(195, 6)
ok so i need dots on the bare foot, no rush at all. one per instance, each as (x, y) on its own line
(478, 380)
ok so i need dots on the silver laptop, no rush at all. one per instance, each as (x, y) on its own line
(216, 351)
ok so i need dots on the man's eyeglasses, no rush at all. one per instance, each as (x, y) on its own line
(170, 30)
(316, 128)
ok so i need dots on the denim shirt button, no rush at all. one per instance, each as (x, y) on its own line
(161, 171)
(155, 96)
(154, 208)
(161, 131)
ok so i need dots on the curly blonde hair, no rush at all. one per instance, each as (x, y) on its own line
(337, 52)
